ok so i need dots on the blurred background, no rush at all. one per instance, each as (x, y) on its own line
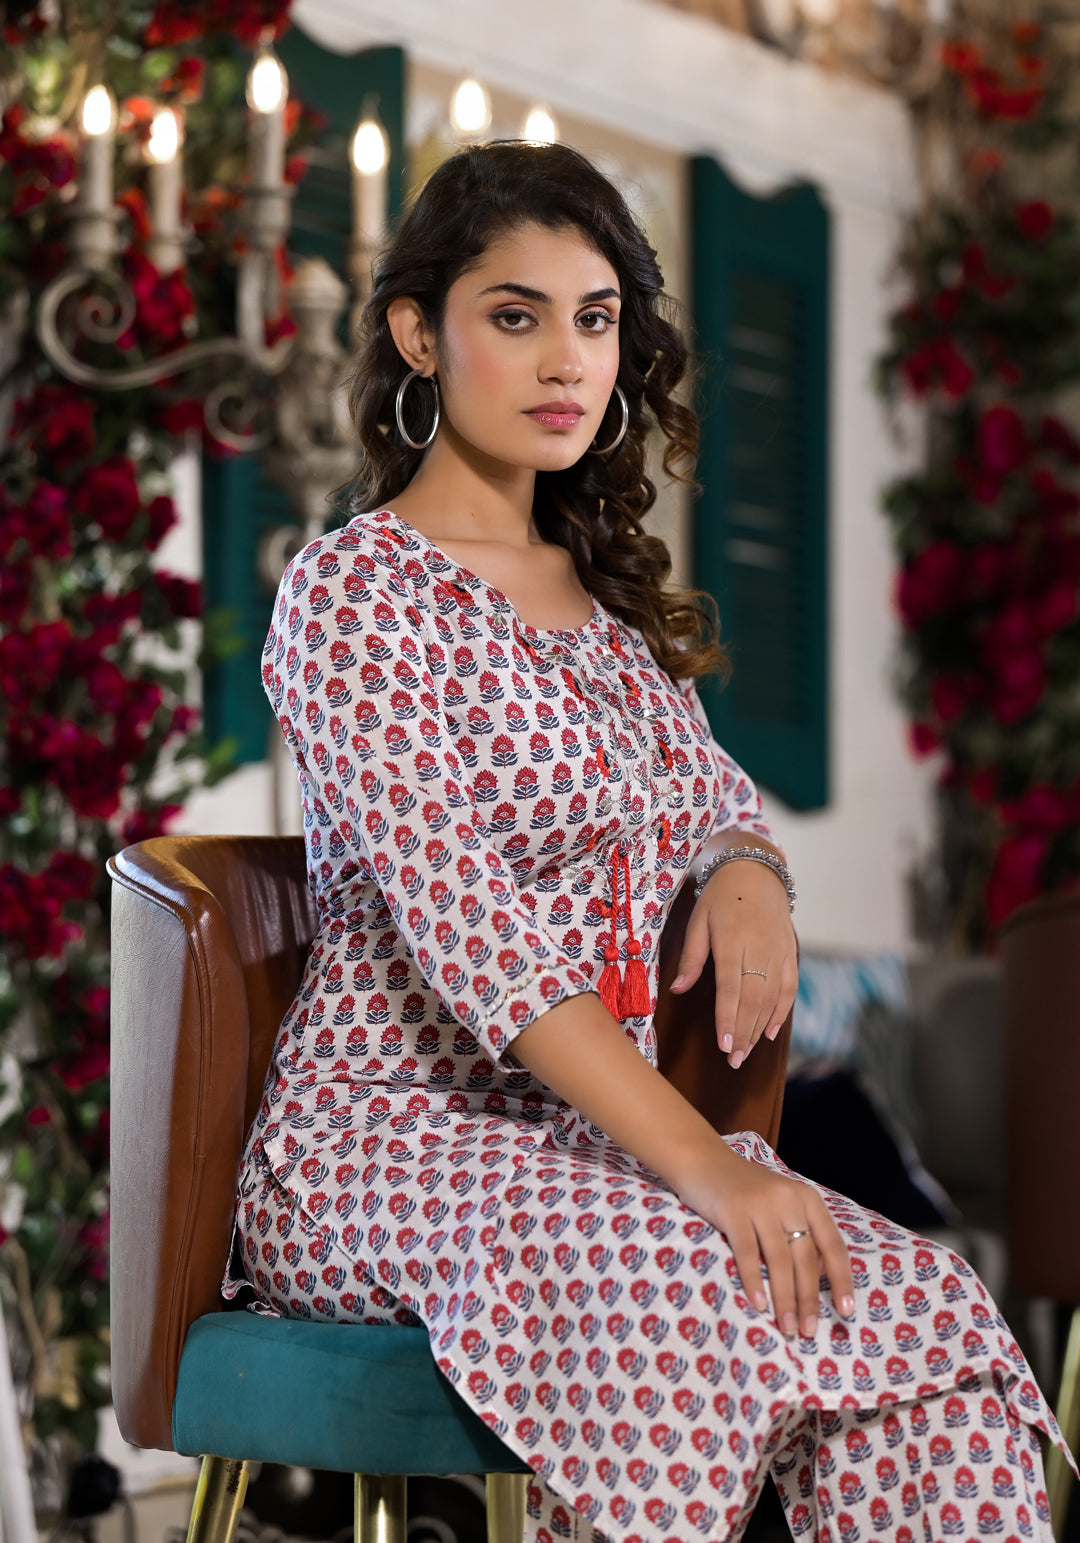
(866, 210)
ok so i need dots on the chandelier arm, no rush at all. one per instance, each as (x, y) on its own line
(96, 320)
(258, 439)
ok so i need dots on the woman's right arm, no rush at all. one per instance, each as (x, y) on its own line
(581, 1053)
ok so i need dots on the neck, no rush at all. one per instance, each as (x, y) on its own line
(467, 495)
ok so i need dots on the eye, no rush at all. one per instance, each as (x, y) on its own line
(605, 318)
(511, 318)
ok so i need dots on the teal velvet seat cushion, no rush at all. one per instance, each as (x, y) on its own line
(354, 1398)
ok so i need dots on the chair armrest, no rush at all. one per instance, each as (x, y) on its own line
(749, 1098)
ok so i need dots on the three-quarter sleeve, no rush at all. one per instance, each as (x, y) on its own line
(351, 669)
(740, 808)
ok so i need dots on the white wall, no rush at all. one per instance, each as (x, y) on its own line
(640, 86)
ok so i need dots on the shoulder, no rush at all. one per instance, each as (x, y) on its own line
(359, 563)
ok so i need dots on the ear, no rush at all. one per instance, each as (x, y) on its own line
(414, 338)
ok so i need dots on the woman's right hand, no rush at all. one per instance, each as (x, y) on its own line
(755, 1207)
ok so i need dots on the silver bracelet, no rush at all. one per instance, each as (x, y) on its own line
(755, 854)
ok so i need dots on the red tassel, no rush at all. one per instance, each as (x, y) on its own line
(610, 985)
(634, 1001)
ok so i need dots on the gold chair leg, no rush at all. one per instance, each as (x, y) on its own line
(379, 1508)
(219, 1499)
(506, 1507)
(1059, 1475)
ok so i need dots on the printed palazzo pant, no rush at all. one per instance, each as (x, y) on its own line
(959, 1464)
(956, 1466)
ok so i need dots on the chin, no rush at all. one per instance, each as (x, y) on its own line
(558, 456)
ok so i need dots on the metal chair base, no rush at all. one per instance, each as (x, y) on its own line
(1059, 1476)
(219, 1499)
(379, 1504)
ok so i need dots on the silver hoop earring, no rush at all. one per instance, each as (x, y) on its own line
(417, 444)
(621, 435)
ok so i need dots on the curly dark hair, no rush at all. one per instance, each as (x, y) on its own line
(594, 508)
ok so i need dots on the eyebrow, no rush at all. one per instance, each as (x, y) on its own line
(538, 295)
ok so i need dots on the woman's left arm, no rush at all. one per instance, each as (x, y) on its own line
(742, 916)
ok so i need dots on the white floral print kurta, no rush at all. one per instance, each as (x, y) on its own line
(496, 816)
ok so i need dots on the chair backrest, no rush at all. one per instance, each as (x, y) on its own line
(1040, 982)
(209, 939)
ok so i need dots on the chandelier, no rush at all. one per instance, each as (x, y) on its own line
(89, 302)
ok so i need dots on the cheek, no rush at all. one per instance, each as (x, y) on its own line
(477, 365)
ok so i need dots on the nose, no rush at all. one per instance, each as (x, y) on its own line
(561, 359)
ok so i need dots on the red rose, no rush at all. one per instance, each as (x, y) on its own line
(1056, 437)
(142, 824)
(1021, 681)
(174, 23)
(15, 582)
(181, 417)
(38, 1115)
(930, 582)
(960, 57)
(109, 614)
(1002, 440)
(109, 494)
(1041, 807)
(951, 694)
(106, 686)
(30, 918)
(83, 1068)
(69, 876)
(134, 200)
(982, 785)
(185, 719)
(923, 738)
(57, 421)
(31, 662)
(10, 802)
(48, 525)
(1016, 875)
(1035, 219)
(90, 775)
(186, 79)
(162, 516)
(183, 597)
(1055, 609)
(164, 305)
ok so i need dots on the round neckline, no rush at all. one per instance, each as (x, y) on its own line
(593, 623)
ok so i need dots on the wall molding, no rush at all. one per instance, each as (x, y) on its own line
(675, 79)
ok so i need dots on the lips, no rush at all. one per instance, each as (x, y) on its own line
(556, 415)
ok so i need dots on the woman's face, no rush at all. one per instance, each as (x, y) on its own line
(530, 348)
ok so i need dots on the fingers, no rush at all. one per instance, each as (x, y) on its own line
(795, 1267)
(834, 1253)
(750, 1004)
(744, 1245)
(747, 1005)
(695, 951)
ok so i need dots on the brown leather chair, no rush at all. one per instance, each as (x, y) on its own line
(1040, 973)
(209, 939)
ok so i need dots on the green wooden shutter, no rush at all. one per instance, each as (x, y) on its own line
(760, 294)
(240, 502)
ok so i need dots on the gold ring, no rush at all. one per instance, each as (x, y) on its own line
(763, 973)
(801, 1232)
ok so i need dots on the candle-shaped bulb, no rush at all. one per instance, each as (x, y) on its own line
(470, 107)
(164, 142)
(370, 151)
(98, 112)
(268, 85)
(540, 127)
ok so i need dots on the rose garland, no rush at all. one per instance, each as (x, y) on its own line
(988, 532)
(101, 747)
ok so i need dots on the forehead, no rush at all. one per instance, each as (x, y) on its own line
(562, 263)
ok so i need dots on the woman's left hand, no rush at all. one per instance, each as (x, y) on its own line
(742, 915)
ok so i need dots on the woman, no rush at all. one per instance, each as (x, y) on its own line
(506, 773)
